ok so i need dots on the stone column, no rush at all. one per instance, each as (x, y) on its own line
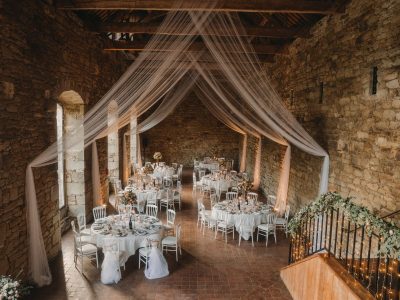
(74, 158)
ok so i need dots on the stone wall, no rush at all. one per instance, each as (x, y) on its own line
(44, 52)
(360, 131)
(190, 132)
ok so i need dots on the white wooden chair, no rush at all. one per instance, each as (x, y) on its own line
(83, 249)
(167, 201)
(152, 198)
(85, 239)
(231, 195)
(246, 228)
(206, 220)
(196, 184)
(225, 227)
(81, 218)
(99, 212)
(173, 243)
(112, 245)
(176, 196)
(171, 214)
(281, 223)
(252, 197)
(144, 253)
(271, 200)
(202, 173)
(268, 228)
(152, 210)
(167, 182)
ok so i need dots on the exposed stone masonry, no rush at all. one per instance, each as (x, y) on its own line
(359, 130)
(44, 52)
(190, 132)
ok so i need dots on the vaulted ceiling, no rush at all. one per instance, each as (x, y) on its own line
(271, 25)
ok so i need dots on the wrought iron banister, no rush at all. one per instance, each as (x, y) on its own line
(369, 255)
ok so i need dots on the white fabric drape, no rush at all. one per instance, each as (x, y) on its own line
(242, 89)
(97, 199)
(244, 154)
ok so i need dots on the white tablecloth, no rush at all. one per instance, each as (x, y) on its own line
(236, 218)
(130, 243)
(217, 184)
(161, 172)
(141, 195)
(212, 166)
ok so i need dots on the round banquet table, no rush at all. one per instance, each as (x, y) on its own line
(148, 228)
(217, 184)
(244, 216)
(141, 195)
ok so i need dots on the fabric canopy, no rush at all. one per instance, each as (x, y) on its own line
(238, 93)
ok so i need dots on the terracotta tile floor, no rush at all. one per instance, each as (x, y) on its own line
(208, 269)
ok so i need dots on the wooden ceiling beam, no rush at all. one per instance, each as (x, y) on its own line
(254, 6)
(194, 47)
(256, 31)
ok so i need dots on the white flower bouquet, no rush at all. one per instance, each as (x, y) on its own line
(157, 156)
(12, 289)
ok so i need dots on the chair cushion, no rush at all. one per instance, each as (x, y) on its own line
(85, 231)
(86, 239)
(169, 240)
(88, 249)
(266, 226)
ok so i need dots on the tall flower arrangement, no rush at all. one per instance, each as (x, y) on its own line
(157, 156)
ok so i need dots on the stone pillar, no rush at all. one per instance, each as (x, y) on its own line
(74, 158)
(112, 148)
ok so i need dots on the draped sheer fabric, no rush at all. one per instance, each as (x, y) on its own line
(242, 97)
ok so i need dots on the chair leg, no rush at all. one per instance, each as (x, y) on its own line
(176, 250)
(258, 232)
(252, 241)
(216, 231)
(266, 237)
(139, 262)
(240, 238)
(275, 236)
(97, 261)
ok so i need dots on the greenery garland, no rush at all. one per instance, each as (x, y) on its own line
(358, 214)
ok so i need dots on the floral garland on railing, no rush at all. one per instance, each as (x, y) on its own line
(358, 214)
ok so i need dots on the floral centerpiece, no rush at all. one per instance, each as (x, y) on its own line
(148, 169)
(128, 198)
(245, 186)
(157, 156)
(12, 288)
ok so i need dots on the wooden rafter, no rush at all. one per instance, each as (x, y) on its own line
(152, 28)
(270, 6)
(194, 47)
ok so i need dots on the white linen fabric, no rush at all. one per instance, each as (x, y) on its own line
(157, 266)
(110, 268)
(242, 87)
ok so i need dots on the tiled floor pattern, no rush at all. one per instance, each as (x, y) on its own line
(208, 269)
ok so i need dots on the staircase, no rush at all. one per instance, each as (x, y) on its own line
(344, 233)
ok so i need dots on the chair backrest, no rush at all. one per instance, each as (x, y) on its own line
(167, 181)
(271, 218)
(233, 173)
(213, 199)
(171, 216)
(152, 198)
(234, 189)
(223, 185)
(178, 232)
(81, 218)
(111, 244)
(271, 199)
(245, 175)
(174, 165)
(287, 211)
(231, 195)
(152, 210)
(73, 226)
(99, 212)
(176, 195)
(202, 173)
(252, 196)
(179, 185)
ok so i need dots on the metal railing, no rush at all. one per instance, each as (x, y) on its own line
(348, 243)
